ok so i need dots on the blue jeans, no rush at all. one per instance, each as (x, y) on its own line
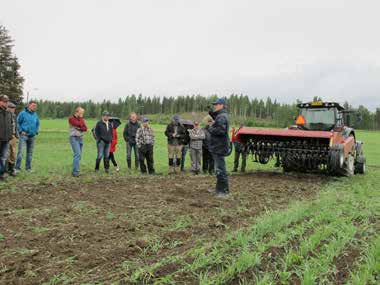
(130, 147)
(4, 146)
(29, 143)
(103, 150)
(76, 145)
(221, 173)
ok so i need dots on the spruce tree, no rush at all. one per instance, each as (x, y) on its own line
(11, 82)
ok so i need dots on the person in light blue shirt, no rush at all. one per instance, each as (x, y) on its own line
(28, 125)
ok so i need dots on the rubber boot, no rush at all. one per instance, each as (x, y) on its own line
(171, 166)
(129, 164)
(178, 163)
(11, 169)
(97, 164)
(107, 165)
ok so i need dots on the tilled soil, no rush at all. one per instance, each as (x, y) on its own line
(85, 230)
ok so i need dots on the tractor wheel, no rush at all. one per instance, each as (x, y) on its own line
(360, 165)
(349, 166)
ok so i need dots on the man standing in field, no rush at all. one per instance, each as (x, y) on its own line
(28, 125)
(77, 127)
(197, 136)
(239, 150)
(6, 130)
(175, 133)
(207, 160)
(145, 142)
(13, 142)
(219, 146)
(130, 131)
(103, 134)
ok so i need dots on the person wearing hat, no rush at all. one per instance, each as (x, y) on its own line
(239, 150)
(13, 142)
(175, 133)
(129, 134)
(77, 127)
(197, 136)
(207, 160)
(28, 125)
(6, 133)
(103, 134)
(219, 146)
(145, 142)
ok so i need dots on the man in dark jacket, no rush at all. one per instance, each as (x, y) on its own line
(175, 132)
(6, 130)
(130, 131)
(13, 142)
(219, 146)
(103, 133)
(207, 160)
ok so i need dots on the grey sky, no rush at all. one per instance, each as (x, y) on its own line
(75, 50)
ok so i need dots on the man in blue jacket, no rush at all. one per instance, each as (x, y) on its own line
(219, 146)
(28, 125)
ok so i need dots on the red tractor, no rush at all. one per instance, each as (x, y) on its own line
(320, 140)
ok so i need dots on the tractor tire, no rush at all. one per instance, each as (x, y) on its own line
(360, 165)
(348, 166)
(336, 159)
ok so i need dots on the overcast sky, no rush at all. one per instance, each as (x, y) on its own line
(93, 49)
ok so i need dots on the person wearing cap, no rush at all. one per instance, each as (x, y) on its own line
(239, 150)
(219, 146)
(175, 133)
(28, 125)
(6, 133)
(103, 134)
(129, 134)
(197, 136)
(13, 142)
(77, 127)
(145, 142)
(207, 160)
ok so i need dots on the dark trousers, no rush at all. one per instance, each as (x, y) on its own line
(4, 146)
(221, 173)
(208, 162)
(146, 153)
(112, 159)
(185, 148)
(243, 160)
(130, 147)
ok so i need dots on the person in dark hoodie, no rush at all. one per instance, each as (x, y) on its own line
(129, 134)
(6, 130)
(207, 160)
(175, 132)
(103, 134)
(219, 146)
(28, 125)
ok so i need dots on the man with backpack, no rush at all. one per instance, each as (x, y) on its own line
(103, 135)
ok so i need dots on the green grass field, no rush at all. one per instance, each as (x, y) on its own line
(331, 238)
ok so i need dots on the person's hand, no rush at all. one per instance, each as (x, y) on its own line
(174, 135)
(23, 133)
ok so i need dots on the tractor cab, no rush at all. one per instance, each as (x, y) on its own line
(320, 116)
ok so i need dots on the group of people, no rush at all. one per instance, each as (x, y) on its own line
(14, 130)
(208, 146)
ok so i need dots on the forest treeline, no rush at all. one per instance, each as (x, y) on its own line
(250, 111)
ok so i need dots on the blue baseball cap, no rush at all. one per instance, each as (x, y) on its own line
(220, 101)
(145, 119)
(176, 118)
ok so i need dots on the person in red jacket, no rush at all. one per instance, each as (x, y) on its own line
(113, 147)
(77, 127)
